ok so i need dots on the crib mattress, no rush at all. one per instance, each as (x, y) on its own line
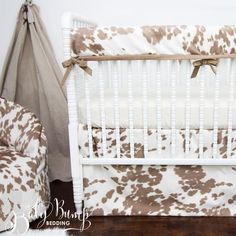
(152, 109)
(158, 190)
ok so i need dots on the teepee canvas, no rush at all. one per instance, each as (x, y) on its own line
(31, 77)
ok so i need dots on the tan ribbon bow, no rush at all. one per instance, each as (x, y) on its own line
(68, 64)
(197, 64)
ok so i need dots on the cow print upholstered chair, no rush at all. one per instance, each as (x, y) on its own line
(24, 186)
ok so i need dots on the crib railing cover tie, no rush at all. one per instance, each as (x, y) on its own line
(81, 61)
(68, 64)
(197, 64)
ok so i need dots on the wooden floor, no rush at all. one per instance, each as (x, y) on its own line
(140, 226)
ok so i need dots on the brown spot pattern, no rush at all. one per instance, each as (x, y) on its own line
(196, 39)
(23, 158)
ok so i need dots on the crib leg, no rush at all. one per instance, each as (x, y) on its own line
(78, 187)
(76, 167)
(78, 194)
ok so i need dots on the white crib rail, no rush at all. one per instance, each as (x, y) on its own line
(230, 108)
(201, 112)
(145, 76)
(71, 20)
(174, 73)
(116, 106)
(173, 69)
(158, 107)
(145, 110)
(131, 109)
(102, 107)
(216, 116)
(187, 112)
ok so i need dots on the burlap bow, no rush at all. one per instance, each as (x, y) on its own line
(68, 64)
(197, 64)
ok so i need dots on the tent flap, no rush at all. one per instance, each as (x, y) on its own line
(30, 77)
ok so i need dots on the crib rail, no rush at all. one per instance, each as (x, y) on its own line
(104, 72)
(173, 69)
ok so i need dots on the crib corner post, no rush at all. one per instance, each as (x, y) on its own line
(75, 157)
(76, 165)
(68, 22)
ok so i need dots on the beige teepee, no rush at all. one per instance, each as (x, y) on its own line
(31, 78)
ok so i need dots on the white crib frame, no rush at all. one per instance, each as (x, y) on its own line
(70, 20)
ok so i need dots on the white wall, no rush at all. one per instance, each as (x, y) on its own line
(117, 12)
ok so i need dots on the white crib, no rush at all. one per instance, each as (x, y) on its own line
(130, 91)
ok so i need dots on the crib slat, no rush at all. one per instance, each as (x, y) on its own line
(81, 23)
(216, 116)
(102, 108)
(201, 110)
(145, 115)
(116, 106)
(88, 111)
(230, 108)
(75, 24)
(187, 111)
(131, 108)
(173, 111)
(158, 106)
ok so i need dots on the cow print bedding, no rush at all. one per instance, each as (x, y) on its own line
(158, 190)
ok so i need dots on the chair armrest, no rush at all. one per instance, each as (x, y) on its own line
(21, 129)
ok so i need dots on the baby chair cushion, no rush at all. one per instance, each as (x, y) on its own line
(24, 186)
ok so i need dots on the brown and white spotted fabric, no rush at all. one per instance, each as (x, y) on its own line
(24, 186)
(158, 190)
(166, 139)
(206, 40)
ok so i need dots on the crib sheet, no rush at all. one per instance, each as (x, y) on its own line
(180, 109)
(158, 190)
